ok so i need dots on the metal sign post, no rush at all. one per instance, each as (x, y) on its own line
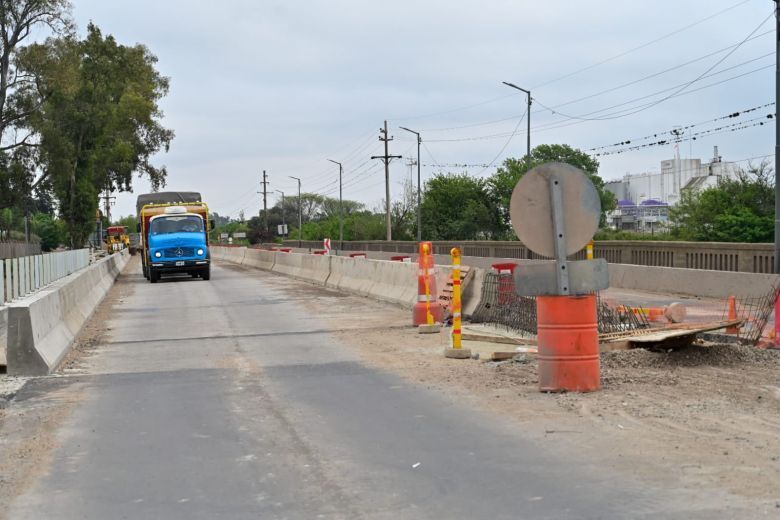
(555, 212)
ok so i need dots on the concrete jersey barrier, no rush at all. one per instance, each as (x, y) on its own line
(42, 327)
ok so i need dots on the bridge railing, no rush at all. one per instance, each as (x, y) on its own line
(24, 275)
(716, 256)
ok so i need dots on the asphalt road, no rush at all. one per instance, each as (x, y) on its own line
(227, 399)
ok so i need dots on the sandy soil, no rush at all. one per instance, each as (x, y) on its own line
(704, 416)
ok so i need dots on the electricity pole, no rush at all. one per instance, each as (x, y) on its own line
(386, 158)
(341, 207)
(419, 215)
(265, 183)
(283, 223)
(300, 212)
(777, 138)
(527, 117)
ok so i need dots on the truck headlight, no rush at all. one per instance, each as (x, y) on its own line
(157, 254)
(200, 252)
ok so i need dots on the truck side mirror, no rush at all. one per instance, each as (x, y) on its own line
(138, 227)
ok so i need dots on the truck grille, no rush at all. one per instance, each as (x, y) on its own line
(178, 252)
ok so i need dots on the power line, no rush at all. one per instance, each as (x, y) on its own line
(679, 91)
(655, 135)
(642, 46)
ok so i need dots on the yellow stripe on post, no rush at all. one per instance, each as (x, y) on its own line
(589, 250)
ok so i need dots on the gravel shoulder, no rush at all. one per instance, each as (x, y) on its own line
(702, 417)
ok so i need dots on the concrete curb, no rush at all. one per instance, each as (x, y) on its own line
(42, 327)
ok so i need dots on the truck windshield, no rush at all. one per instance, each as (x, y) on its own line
(177, 224)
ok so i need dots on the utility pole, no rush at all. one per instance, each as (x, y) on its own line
(107, 198)
(283, 223)
(386, 158)
(300, 212)
(265, 184)
(527, 117)
(341, 207)
(777, 137)
(419, 214)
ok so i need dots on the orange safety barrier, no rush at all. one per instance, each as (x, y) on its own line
(320, 252)
(401, 258)
(427, 309)
(358, 255)
(568, 342)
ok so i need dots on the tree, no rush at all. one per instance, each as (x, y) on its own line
(50, 230)
(736, 210)
(130, 222)
(503, 182)
(18, 20)
(459, 207)
(98, 120)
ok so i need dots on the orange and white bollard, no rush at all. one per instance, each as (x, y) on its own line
(428, 311)
(456, 351)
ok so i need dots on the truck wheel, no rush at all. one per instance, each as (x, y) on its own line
(206, 273)
(153, 276)
(145, 271)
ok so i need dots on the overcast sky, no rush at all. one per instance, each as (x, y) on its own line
(284, 86)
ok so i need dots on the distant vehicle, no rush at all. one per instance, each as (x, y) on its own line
(174, 234)
(117, 239)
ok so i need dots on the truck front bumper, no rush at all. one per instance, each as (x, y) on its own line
(180, 266)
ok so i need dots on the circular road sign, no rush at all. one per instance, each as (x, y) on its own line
(531, 208)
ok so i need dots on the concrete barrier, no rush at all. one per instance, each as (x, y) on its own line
(690, 282)
(42, 327)
(3, 334)
(260, 259)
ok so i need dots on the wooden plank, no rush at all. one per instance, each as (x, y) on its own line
(497, 339)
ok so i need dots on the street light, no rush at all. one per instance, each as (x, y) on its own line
(419, 216)
(527, 116)
(283, 223)
(300, 212)
(341, 208)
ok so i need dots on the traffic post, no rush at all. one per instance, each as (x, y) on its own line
(456, 351)
(428, 311)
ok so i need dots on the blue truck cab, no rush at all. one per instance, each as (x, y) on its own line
(178, 243)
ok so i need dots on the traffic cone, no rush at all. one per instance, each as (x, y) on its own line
(732, 316)
(428, 309)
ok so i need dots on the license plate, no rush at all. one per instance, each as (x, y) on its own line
(179, 263)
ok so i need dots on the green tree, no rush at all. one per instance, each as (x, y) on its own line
(736, 210)
(459, 207)
(130, 222)
(98, 120)
(51, 231)
(503, 182)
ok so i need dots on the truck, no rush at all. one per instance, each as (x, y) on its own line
(117, 239)
(174, 234)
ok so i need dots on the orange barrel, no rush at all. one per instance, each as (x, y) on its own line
(568, 340)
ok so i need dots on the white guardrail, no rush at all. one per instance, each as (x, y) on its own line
(24, 275)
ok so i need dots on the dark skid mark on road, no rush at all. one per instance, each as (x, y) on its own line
(253, 335)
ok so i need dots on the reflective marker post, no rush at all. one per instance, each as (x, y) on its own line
(456, 351)
(456, 301)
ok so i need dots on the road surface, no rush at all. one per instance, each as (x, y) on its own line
(228, 399)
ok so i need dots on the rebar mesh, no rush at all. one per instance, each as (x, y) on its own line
(754, 313)
(500, 305)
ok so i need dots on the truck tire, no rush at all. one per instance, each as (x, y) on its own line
(206, 273)
(154, 276)
(145, 271)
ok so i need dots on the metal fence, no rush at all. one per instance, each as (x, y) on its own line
(18, 249)
(24, 275)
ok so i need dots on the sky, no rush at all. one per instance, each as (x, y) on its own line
(284, 86)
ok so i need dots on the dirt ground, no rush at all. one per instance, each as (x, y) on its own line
(706, 416)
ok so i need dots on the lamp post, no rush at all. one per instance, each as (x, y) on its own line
(527, 116)
(283, 223)
(419, 215)
(341, 207)
(300, 212)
